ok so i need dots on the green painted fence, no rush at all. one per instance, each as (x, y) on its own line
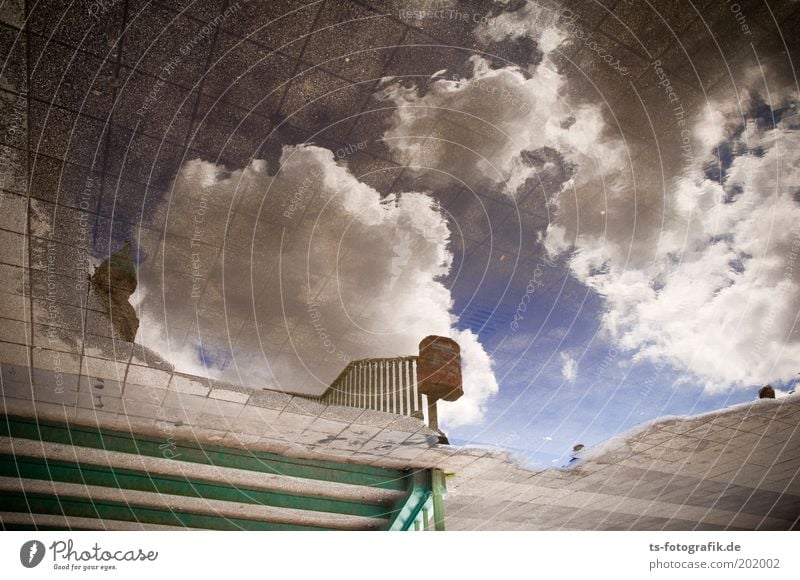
(406, 501)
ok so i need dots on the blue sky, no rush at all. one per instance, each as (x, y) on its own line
(541, 414)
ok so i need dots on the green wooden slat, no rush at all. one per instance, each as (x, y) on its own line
(414, 502)
(266, 456)
(106, 476)
(439, 488)
(259, 461)
(96, 435)
(71, 506)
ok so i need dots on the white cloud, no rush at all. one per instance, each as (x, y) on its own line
(569, 367)
(533, 20)
(318, 269)
(474, 131)
(696, 273)
(479, 383)
(715, 288)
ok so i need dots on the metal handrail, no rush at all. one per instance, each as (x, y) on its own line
(380, 384)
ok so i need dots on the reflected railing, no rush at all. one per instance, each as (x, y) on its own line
(407, 385)
(380, 384)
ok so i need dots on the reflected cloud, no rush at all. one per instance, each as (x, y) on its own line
(280, 280)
